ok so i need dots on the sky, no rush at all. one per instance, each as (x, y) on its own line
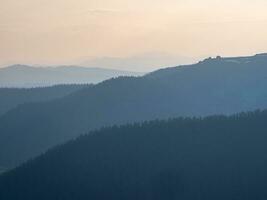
(80, 31)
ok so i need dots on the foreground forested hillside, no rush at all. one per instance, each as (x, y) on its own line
(194, 159)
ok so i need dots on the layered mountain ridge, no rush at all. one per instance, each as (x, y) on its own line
(213, 86)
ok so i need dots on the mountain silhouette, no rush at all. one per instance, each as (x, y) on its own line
(27, 76)
(213, 86)
(211, 158)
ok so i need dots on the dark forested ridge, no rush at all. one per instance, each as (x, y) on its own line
(12, 97)
(213, 86)
(192, 159)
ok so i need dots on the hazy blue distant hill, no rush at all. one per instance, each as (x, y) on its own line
(147, 61)
(12, 97)
(213, 86)
(193, 159)
(28, 76)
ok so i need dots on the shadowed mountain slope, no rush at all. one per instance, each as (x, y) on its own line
(12, 97)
